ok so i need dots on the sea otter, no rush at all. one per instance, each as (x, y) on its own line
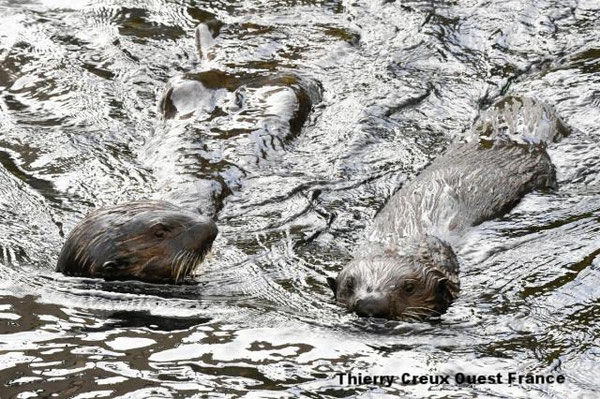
(407, 267)
(152, 241)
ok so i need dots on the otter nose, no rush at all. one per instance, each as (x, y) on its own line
(203, 234)
(372, 306)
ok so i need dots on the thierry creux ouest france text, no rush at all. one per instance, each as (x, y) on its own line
(349, 378)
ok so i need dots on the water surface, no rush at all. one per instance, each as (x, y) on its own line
(290, 122)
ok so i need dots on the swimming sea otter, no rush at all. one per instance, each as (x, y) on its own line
(407, 268)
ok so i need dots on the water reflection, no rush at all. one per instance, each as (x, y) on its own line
(292, 122)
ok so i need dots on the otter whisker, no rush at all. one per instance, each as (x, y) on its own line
(196, 260)
(185, 265)
(418, 307)
(411, 316)
(185, 262)
(175, 265)
(191, 263)
(180, 266)
(423, 309)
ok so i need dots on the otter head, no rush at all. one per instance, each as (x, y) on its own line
(145, 240)
(417, 281)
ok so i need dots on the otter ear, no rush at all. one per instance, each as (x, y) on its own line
(332, 283)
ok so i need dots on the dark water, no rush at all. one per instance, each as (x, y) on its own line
(291, 122)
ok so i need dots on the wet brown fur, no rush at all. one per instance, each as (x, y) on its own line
(152, 241)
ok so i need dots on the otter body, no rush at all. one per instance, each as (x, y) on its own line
(152, 241)
(407, 267)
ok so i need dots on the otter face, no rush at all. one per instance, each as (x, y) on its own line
(394, 286)
(147, 240)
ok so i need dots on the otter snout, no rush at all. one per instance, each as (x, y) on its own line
(201, 235)
(205, 232)
(372, 306)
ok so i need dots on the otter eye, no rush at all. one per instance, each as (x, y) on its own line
(409, 287)
(160, 230)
